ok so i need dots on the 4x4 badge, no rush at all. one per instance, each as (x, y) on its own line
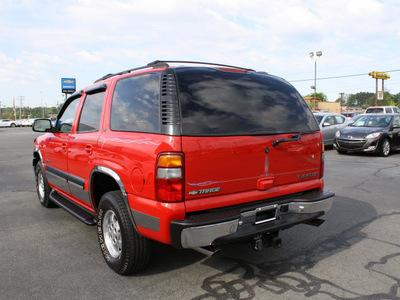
(205, 191)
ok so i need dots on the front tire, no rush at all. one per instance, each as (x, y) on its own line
(42, 187)
(384, 148)
(124, 250)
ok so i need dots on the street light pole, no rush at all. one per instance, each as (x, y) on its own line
(318, 54)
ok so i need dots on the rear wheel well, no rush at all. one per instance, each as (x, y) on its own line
(101, 184)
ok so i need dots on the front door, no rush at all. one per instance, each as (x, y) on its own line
(56, 154)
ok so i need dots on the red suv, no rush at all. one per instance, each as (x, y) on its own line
(189, 154)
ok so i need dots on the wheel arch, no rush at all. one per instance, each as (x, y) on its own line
(37, 156)
(104, 180)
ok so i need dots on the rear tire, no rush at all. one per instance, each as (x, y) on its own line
(42, 187)
(124, 250)
(384, 148)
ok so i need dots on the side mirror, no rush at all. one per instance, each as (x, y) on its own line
(42, 125)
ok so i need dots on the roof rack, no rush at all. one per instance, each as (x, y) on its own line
(156, 62)
(164, 63)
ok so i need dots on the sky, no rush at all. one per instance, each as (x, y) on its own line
(42, 41)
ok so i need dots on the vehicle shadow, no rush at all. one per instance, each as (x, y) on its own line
(337, 234)
(241, 273)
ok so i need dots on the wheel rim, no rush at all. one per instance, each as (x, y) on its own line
(386, 147)
(41, 188)
(112, 234)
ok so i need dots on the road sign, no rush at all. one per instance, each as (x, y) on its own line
(68, 85)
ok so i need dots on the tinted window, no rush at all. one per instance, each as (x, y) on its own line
(65, 122)
(91, 113)
(136, 104)
(215, 102)
(374, 110)
(388, 110)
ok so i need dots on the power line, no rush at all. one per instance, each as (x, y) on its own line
(337, 77)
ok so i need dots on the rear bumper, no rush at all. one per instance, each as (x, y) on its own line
(221, 227)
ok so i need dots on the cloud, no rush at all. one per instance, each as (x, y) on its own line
(91, 38)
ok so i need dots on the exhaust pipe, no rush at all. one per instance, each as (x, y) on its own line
(208, 252)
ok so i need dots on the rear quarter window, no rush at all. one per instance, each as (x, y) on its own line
(136, 104)
(215, 102)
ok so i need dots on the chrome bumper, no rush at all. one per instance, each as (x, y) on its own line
(273, 217)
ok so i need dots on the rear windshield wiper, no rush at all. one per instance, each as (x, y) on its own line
(294, 137)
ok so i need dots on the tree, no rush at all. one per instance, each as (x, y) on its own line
(362, 99)
(396, 99)
(321, 96)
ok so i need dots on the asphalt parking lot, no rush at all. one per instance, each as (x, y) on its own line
(355, 254)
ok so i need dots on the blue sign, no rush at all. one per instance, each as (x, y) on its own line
(68, 85)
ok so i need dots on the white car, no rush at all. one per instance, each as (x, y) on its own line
(330, 123)
(9, 123)
(27, 122)
(382, 110)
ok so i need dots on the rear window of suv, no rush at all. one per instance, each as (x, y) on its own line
(376, 110)
(219, 103)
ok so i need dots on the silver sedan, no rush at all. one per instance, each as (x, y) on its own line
(330, 123)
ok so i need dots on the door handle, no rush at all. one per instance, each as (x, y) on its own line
(64, 147)
(89, 149)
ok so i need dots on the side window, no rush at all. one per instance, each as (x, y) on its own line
(396, 110)
(330, 120)
(388, 110)
(91, 113)
(65, 122)
(396, 121)
(136, 104)
(339, 120)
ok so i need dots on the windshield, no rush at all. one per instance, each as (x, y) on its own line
(373, 121)
(215, 102)
(318, 118)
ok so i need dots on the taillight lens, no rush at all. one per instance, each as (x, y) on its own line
(169, 181)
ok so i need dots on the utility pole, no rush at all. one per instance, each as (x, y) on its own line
(21, 98)
(341, 101)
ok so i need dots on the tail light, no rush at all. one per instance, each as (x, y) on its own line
(169, 181)
(321, 171)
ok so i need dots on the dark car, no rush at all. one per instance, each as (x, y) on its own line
(378, 133)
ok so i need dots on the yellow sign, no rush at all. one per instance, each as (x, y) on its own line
(379, 75)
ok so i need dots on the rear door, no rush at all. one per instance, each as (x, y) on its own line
(226, 165)
(244, 132)
(82, 146)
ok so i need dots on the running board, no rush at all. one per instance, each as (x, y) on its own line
(74, 209)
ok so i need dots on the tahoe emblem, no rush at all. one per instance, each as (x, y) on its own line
(205, 191)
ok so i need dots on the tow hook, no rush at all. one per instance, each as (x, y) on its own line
(257, 243)
(266, 240)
